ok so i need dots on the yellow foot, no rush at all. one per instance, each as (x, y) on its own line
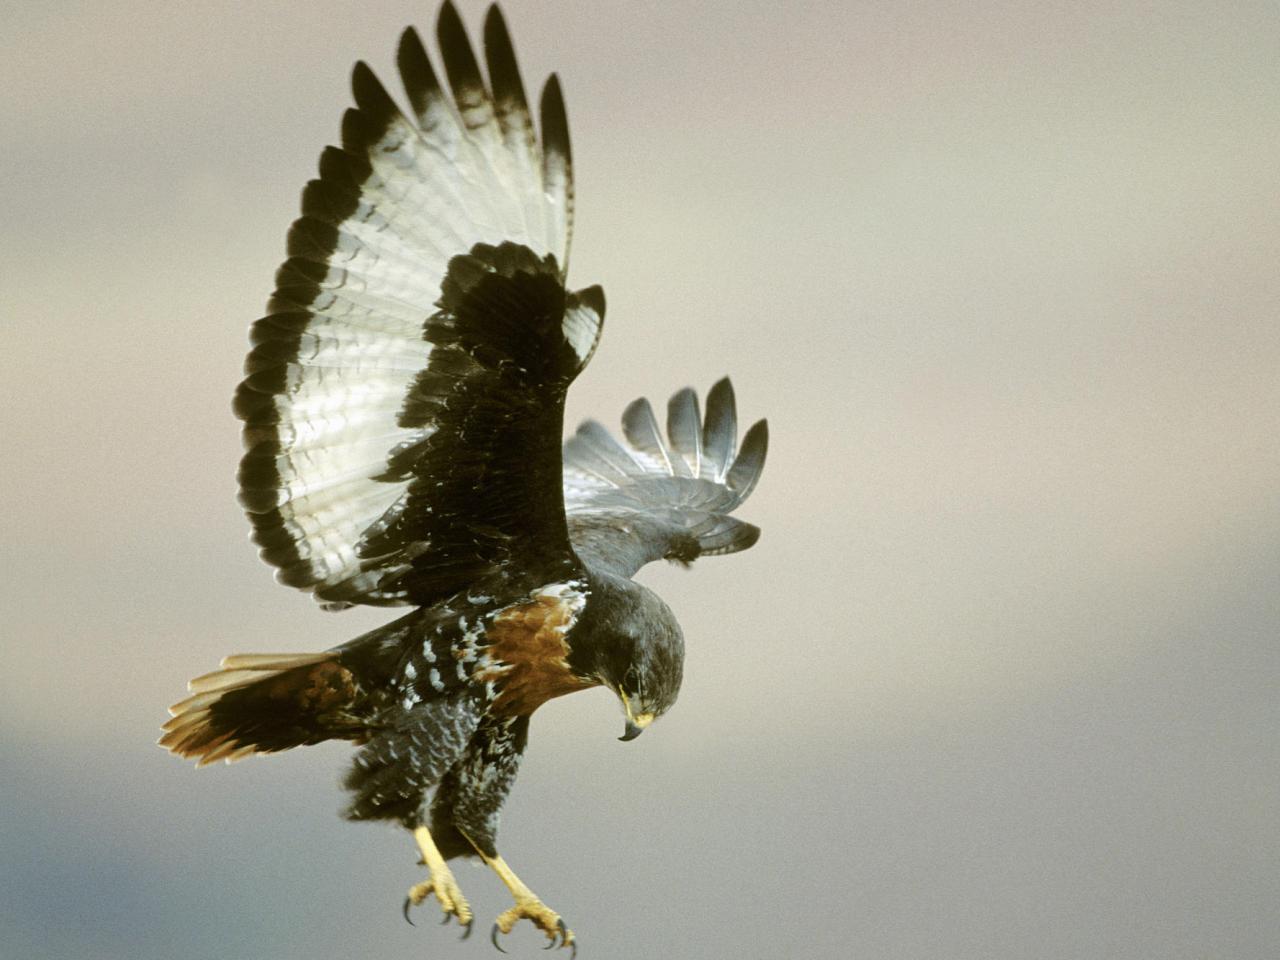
(441, 883)
(542, 916)
(452, 902)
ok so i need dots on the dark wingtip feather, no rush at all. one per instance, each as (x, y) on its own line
(416, 73)
(640, 427)
(500, 57)
(720, 427)
(746, 469)
(460, 64)
(311, 239)
(448, 13)
(344, 170)
(373, 100)
(593, 298)
(358, 133)
(328, 201)
(554, 121)
(365, 87)
(684, 429)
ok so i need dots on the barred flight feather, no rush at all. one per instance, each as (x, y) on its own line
(333, 392)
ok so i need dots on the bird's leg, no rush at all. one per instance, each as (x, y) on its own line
(527, 906)
(441, 883)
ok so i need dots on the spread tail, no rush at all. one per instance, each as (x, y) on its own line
(263, 703)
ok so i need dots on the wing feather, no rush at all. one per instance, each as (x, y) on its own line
(654, 498)
(557, 169)
(721, 431)
(512, 111)
(685, 431)
(746, 469)
(427, 252)
(641, 429)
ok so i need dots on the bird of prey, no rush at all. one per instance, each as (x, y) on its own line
(403, 414)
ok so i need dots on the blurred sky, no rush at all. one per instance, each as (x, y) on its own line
(1001, 678)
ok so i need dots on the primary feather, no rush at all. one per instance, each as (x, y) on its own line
(335, 397)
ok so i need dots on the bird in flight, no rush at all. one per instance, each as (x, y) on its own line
(403, 411)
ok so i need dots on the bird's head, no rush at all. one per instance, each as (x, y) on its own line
(638, 651)
(647, 674)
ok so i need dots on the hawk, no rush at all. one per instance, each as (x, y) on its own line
(403, 412)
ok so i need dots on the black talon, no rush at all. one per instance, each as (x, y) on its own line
(408, 902)
(494, 937)
(565, 941)
(469, 924)
(445, 920)
(564, 934)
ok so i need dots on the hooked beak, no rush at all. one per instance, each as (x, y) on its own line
(636, 722)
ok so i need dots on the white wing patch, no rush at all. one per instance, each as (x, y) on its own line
(343, 342)
(583, 321)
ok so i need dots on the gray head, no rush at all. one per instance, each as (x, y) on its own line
(633, 645)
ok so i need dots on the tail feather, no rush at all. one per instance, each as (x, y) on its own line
(241, 669)
(263, 703)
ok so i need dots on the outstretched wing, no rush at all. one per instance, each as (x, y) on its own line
(404, 395)
(654, 498)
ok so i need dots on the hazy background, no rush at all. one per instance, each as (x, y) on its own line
(1001, 679)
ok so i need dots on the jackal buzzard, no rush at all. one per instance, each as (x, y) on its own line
(403, 413)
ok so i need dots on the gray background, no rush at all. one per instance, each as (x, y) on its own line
(1000, 679)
